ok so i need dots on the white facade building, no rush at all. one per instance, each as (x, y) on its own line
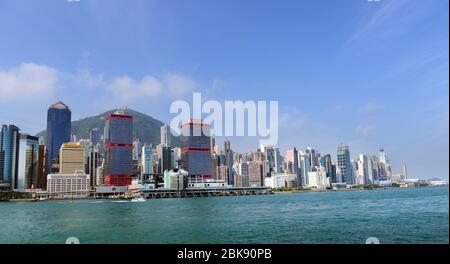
(68, 185)
(318, 179)
(165, 136)
(280, 180)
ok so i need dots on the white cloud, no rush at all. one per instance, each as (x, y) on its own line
(26, 81)
(86, 78)
(127, 90)
(363, 129)
(178, 84)
(370, 107)
(387, 20)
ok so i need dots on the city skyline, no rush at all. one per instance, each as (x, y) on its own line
(123, 149)
(377, 82)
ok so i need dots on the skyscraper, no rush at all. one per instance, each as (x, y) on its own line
(362, 172)
(58, 130)
(305, 167)
(344, 164)
(385, 163)
(93, 161)
(292, 157)
(42, 167)
(118, 149)
(147, 160)
(255, 174)
(9, 148)
(28, 162)
(166, 136)
(165, 155)
(94, 136)
(329, 168)
(274, 160)
(71, 158)
(196, 149)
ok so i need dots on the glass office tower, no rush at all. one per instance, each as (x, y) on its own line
(58, 131)
(9, 156)
(28, 162)
(196, 149)
(118, 149)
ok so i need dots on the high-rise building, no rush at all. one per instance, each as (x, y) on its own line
(255, 174)
(329, 168)
(176, 156)
(385, 163)
(362, 170)
(222, 172)
(95, 136)
(58, 131)
(318, 178)
(372, 169)
(118, 164)
(344, 164)
(196, 149)
(28, 162)
(93, 162)
(274, 160)
(292, 158)
(165, 155)
(166, 139)
(42, 167)
(147, 159)
(405, 172)
(71, 158)
(241, 177)
(213, 145)
(305, 167)
(9, 156)
(215, 166)
(228, 161)
(137, 149)
(314, 156)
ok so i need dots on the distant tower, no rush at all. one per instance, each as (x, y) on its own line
(58, 130)
(344, 164)
(166, 136)
(118, 164)
(386, 171)
(147, 159)
(405, 172)
(94, 136)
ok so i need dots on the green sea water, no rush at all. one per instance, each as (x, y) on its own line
(398, 215)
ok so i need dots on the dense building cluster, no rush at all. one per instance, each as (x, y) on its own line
(60, 163)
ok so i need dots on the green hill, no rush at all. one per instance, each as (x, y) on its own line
(145, 127)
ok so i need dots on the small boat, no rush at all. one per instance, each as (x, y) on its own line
(42, 199)
(138, 199)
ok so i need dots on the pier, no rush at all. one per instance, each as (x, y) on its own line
(204, 192)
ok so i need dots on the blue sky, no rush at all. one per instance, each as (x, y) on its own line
(370, 74)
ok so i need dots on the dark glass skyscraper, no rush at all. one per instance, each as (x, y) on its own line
(58, 130)
(9, 155)
(118, 166)
(196, 149)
